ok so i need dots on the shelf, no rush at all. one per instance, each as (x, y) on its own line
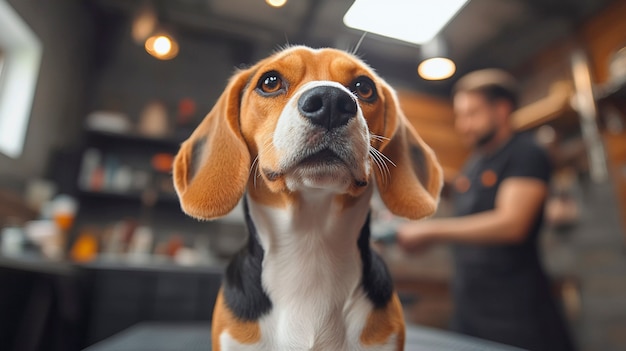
(36, 264)
(153, 265)
(128, 196)
(171, 142)
(611, 91)
(546, 110)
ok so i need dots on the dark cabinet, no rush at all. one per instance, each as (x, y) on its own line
(123, 296)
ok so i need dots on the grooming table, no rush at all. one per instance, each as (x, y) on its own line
(152, 336)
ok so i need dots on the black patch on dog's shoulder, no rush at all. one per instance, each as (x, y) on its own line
(377, 281)
(243, 291)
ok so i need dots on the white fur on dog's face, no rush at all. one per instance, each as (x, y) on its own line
(296, 138)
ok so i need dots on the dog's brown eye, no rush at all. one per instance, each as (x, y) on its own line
(364, 88)
(270, 83)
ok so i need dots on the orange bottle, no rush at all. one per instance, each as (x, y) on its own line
(85, 248)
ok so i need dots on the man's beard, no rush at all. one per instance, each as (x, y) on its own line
(486, 138)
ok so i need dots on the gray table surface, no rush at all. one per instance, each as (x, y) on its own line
(153, 336)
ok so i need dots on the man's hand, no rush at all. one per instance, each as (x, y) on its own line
(416, 236)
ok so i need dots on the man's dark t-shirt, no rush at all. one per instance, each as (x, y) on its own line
(501, 292)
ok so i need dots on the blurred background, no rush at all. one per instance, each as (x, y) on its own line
(96, 95)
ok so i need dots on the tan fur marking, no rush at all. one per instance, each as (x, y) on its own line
(260, 193)
(347, 201)
(224, 321)
(383, 323)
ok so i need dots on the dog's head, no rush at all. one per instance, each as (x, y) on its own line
(306, 121)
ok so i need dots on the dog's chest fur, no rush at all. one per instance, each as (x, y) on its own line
(312, 272)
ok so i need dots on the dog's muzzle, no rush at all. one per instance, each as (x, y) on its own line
(327, 106)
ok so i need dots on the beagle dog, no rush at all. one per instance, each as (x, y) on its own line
(304, 137)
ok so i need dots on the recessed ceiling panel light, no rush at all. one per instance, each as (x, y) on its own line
(414, 21)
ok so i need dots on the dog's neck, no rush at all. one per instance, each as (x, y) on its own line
(318, 223)
(316, 216)
(312, 262)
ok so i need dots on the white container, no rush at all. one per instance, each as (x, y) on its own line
(12, 242)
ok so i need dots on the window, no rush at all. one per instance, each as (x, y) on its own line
(20, 57)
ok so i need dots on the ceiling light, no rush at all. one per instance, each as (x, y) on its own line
(162, 46)
(276, 3)
(436, 68)
(416, 21)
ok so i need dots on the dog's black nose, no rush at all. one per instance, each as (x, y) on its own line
(327, 106)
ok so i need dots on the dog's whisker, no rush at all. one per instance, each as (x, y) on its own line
(379, 137)
(386, 169)
(254, 168)
(385, 157)
(378, 162)
(383, 172)
(381, 164)
(255, 165)
(380, 170)
(385, 165)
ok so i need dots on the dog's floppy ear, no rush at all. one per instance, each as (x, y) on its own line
(415, 178)
(211, 167)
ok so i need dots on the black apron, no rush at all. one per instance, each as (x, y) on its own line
(501, 292)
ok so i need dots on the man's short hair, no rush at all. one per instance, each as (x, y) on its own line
(494, 84)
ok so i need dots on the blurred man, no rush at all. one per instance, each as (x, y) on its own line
(500, 289)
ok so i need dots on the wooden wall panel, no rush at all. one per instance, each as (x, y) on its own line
(603, 35)
(616, 155)
(433, 118)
